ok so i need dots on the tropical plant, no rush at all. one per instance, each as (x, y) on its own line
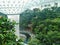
(45, 24)
(7, 32)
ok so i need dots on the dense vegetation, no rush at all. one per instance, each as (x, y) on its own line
(45, 24)
(7, 32)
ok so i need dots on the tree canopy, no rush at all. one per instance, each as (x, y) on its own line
(7, 32)
(45, 24)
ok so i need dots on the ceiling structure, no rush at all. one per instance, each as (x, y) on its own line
(15, 6)
(18, 6)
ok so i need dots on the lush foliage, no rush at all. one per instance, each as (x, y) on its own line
(34, 42)
(7, 32)
(45, 24)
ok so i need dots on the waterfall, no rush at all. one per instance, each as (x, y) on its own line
(15, 18)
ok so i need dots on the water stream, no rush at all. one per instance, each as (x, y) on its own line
(16, 18)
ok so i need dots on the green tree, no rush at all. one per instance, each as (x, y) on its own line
(45, 25)
(7, 32)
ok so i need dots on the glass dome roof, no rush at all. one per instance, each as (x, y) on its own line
(17, 6)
